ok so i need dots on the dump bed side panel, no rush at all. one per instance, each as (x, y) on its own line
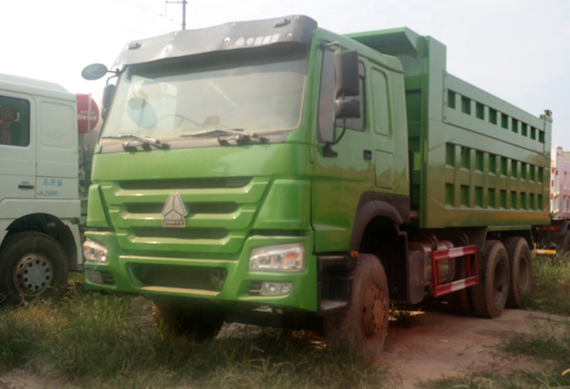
(477, 160)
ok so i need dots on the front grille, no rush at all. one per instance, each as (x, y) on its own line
(202, 183)
(221, 214)
(193, 208)
(187, 277)
(180, 233)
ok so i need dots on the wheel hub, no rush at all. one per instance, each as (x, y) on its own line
(373, 310)
(33, 274)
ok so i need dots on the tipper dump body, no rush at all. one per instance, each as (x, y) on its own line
(477, 160)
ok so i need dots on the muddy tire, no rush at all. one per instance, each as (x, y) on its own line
(32, 265)
(175, 320)
(361, 328)
(520, 265)
(565, 248)
(490, 296)
(460, 301)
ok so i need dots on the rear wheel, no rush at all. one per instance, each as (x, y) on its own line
(520, 265)
(460, 301)
(361, 328)
(490, 296)
(565, 249)
(32, 264)
(192, 320)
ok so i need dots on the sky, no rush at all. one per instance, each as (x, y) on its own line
(518, 50)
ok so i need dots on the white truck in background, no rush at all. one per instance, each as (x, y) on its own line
(40, 205)
(557, 234)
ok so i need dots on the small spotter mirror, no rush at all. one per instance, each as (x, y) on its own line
(94, 71)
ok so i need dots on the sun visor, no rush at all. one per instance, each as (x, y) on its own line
(230, 36)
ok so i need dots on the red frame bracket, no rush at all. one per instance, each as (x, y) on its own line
(470, 254)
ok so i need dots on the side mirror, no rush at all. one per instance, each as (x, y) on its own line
(108, 92)
(346, 69)
(94, 71)
(347, 109)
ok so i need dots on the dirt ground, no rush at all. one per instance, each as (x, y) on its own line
(435, 345)
(438, 345)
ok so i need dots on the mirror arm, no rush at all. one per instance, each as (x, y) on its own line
(327, 148)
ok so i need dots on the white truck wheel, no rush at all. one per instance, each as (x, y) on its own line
(32, 264)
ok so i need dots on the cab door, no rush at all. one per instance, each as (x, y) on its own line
(17, 152)
(341, 177)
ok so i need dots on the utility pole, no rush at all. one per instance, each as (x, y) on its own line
(183, 2)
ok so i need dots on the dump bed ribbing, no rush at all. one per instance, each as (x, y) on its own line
(477, 160)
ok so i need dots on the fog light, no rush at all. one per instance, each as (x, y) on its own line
(94, 276)
(275, 288)
(94, 251)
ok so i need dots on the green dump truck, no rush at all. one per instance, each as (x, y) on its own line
(273, 171)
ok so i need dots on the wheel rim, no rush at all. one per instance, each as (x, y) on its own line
(524, 274)
(500, 284)
(374, 311)
(33, 274)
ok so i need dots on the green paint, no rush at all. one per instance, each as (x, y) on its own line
(244, 196)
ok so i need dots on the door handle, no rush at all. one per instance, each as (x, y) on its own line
(25, 186)
(367, 155)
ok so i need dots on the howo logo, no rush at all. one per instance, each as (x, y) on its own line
(174, 212)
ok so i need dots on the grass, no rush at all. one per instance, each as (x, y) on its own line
(111, 342)
(551, 285)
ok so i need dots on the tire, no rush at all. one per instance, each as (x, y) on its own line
(565, 248)
(490, 296)
(175, 320)
(32, 264)
(361, 328)
(520, 265)
(460, 301)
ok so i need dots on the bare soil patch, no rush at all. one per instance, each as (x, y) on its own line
(439, 345)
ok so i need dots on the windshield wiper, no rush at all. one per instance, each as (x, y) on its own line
(146, 141)
(239, 137)
(237, 131)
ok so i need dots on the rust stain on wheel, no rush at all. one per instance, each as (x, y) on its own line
(373, 310)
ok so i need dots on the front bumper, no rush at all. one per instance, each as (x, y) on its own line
(214, 279)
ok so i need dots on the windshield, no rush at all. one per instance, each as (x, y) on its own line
(249, 90)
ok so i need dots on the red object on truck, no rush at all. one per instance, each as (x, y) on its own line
(87, 113)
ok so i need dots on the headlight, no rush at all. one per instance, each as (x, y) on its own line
(94, 251)
(287, 258)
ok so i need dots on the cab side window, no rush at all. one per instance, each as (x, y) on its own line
(327, 123)
(14, 122)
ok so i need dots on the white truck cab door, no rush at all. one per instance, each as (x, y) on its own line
(17, 152)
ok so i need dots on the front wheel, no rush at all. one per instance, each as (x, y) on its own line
(32, 264)
(178, 319)
(361, 328)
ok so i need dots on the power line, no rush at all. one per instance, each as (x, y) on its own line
(183, 2)
(147, 10)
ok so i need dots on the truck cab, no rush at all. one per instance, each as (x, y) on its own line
(39, 203)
